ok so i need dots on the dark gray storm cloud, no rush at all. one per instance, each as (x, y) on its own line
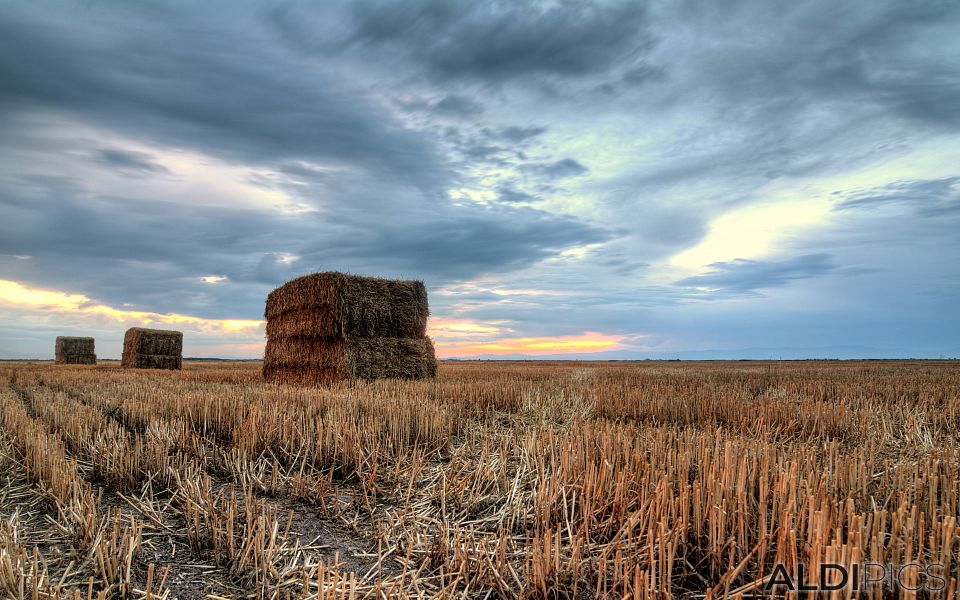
(201, 78)
(186, 157)
(894, 55)
(560, 169)
(129, 161)
(206, 81)
(153, 256)
(928, 198)
(504, 39)
(742, 275)
(509, 195)
(517, 134)
(457, 106)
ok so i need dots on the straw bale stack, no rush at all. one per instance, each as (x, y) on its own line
(75, 351)
(152, 349)
(327, 327)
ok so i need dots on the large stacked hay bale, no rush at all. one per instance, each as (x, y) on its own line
(328, 327)
(152, 349)
(75, 351)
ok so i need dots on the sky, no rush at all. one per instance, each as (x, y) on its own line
(663, 178)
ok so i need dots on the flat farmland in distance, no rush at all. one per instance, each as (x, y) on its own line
(496, 480)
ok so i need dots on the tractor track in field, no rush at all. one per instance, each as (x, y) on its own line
(325, 537)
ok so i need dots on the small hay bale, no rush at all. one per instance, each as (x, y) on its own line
(152, 349)
(331, 326)
(70, 350)
(75, 345)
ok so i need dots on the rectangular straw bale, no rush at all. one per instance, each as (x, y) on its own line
(152, 349)
(332, 326)
(335, 304)
(74, 345)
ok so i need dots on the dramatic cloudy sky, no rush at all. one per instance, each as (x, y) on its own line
(641, 178)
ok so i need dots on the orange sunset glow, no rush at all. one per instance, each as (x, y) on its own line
(453, 337)
(589, 341)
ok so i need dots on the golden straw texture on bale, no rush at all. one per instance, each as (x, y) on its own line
(157, 361)
(76, 359)
(340, 305)
(303, 323)
(302, 352)
(327, 327)
(395, 358)
(75, 345)
(358, 358)
(75, 351)
(152, 349)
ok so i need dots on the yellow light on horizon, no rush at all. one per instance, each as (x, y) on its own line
(12, 292)
(15, 293)
(462, 327)
(589, 341)
(454, 336)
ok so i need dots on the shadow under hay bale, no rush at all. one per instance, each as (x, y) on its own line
(328, 327)
(152, 349)
(70, 350)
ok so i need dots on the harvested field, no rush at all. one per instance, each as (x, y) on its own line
(152, 349)
(494, 480)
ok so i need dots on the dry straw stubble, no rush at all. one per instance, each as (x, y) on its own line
(513, 480)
